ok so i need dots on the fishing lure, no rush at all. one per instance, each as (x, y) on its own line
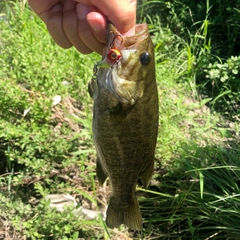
(113, 55)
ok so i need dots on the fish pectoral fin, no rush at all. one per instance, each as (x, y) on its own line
(127, 214)
(129, 92)
(93, 88)
(101, 175)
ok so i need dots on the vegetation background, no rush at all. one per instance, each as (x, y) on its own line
(45, 127)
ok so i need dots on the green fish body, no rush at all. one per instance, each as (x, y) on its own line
(125, 121)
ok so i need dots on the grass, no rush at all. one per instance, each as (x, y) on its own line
(46, 145)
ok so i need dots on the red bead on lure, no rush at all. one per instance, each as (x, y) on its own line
(113, 55)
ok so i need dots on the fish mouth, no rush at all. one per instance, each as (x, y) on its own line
(116, 42)
(120, 55)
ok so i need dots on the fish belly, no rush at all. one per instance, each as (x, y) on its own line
(125, 140)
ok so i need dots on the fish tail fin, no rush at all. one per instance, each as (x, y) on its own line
(128, 214)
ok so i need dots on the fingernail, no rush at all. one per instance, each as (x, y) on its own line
(82, 11)
(96, 21)
(96, 27)
(56, 8)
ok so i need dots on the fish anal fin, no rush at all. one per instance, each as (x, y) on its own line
(101, 175)
(127, 214)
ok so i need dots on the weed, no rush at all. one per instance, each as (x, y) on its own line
(46, 140)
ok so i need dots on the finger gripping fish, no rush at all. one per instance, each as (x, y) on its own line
(125, 120)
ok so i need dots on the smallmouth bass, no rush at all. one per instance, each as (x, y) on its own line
(125, 120)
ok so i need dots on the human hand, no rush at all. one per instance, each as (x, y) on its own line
(82, 23)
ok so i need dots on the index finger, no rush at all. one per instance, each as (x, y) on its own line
(43, 7)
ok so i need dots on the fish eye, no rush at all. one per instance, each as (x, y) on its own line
(145, 58)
